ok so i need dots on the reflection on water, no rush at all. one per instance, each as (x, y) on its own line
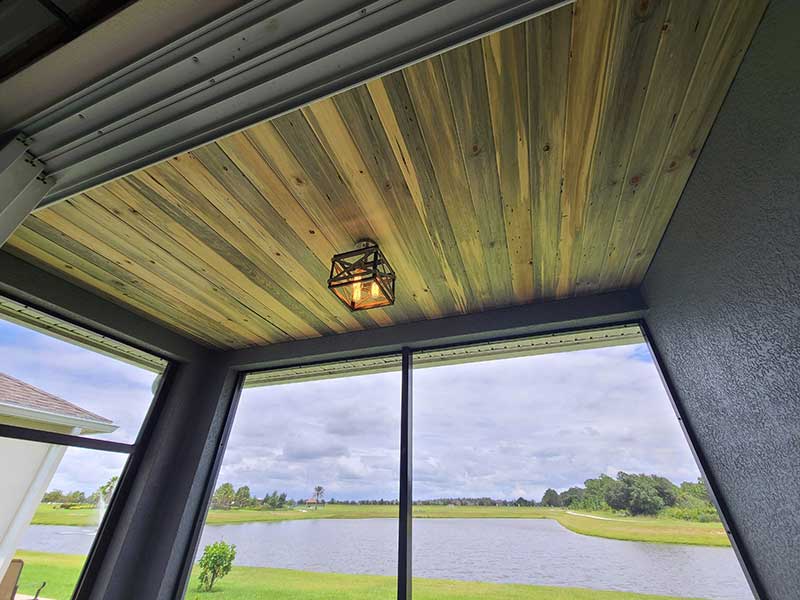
(500, 550)
(58, 539)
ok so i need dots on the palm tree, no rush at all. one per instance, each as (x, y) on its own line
(319, 492)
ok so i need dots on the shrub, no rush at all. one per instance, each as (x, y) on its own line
(692, 508)
(215, 563)
(700, 515)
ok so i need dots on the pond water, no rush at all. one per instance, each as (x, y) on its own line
(529, 551)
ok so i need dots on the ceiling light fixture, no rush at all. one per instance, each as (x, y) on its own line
(362, 278)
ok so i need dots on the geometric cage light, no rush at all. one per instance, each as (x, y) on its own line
(362, 278)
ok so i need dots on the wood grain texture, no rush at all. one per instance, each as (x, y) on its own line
(540, 162)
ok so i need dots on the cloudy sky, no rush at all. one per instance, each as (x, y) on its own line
(503, 429)
(105, 386)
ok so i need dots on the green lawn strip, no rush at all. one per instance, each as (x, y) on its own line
(52, 514)
(283, 584)
(252, 583)
(642, 529)
(661, 530)
(60, 571)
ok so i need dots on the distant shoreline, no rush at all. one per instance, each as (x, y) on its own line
(640, 529)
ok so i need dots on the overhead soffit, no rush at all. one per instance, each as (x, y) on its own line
(541, 162)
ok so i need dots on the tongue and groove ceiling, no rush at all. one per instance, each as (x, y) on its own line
(540, 162)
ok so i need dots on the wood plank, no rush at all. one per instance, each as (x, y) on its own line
(320, 211)
(548, 48)
(681, 41)
(256, 167)
(167, 188)
(729, 37)
(359, 113)
(505, 61)
(592, 32)
(121, 199)
(540, 162)
(336, 140)
(638, 27)
(337, 201)
(427, 88)
(54, 258)
(265, 226)
(136, 252)
(469, 98)
(171, 310)
(395, 109)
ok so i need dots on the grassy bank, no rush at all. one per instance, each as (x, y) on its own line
(640, 529)
(250, 583)
(60, 571)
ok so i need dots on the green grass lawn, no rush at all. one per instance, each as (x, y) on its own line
(51, 514)
(641, 529)
(60, 571)
(250, 583)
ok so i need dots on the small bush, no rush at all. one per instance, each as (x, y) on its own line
(215, 563)
(693, 507)
(705, 514)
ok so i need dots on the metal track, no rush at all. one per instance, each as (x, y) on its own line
(255, 63)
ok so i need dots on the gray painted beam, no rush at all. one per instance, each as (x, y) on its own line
(589, 311)
(10, 150)
(254, 63)
(134, 31)
(22, 185)
(13, 211)
(30, 285)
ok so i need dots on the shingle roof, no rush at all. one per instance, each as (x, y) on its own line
(14, 392)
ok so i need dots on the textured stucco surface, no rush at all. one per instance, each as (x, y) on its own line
(724, 292)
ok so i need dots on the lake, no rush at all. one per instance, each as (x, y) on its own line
(533, 551)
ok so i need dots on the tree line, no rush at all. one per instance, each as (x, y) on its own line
(76, 498)
(226, 497)
(629, 493)
(633, 494)
(638, 494)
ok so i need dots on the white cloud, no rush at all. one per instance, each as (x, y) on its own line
(98, 383)
(502, 429)
(497, 429)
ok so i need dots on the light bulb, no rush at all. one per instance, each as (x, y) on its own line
(374, 291)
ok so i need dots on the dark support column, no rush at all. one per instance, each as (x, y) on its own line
(724, 297)
(147, 538)
(406, 497)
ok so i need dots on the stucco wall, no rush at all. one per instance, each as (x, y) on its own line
(724, 292)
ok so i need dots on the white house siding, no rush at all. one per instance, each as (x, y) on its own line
(27, 468)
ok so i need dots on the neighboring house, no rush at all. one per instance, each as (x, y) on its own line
(27, 466)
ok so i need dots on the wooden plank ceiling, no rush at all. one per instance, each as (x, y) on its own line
(540, 162)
